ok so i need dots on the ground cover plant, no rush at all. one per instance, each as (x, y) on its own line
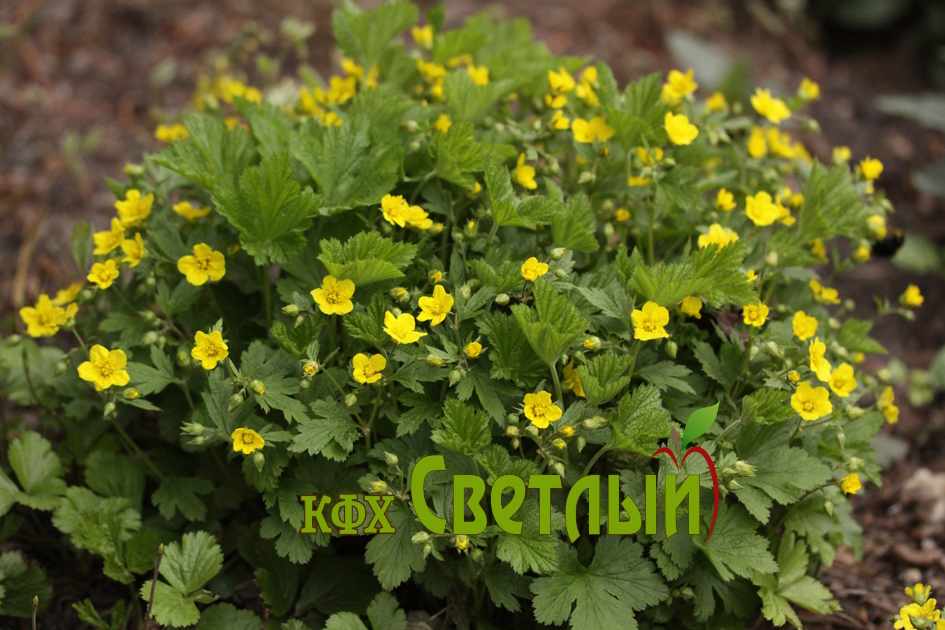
(466, 246)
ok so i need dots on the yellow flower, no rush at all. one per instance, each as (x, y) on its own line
(920, 593)
(717, 235)
(401, 329)
(556, 102)
(871, 168)
(858, 357)
(341, 90)
(205, 264)
(473, 349)
(808, 90)
(725, 200)
(621, 215)
(793, 376)
(850, 484)
(435, 276)
(105, 368)
(842, 381)
(436, 308)
(651, 157)
(423, 35)
(443, 123)
(716, 102)
(818, 364)
(841, 155)
(540, 410)
(677, 86)
(886, 404)
(559, 121)
(648, 323)
(877, 224)
(396, 210)
(246, 441)
(755, 314)
(926, 610)
(171, 133)
(824, 295)
(585, 91)
(774, 109)
(462, 541)
(596, 128)
(811, 402)
(818, 249)
(334, 296)
(209, 349)
(134, 208)
(189, 212)
(134, 250)
(532, 269)
(561, 81)
(524, 173)
(750, 276)
(804, 325)
(862, 254)
(431, 71)
(45, 318)
(103, 274)
(761, 209)
(106, 242)
(679, 129)
(479, 74)
(418, 218)
(69, 294)
(572, 379)
(912, 296)
(368, 370)
(637, 181)
(757, 145)
(692, 306)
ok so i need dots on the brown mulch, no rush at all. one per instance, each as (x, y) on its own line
(84, 82)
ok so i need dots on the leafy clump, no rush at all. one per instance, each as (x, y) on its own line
(464, 246)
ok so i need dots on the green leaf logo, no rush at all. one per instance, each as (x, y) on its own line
(698, 423)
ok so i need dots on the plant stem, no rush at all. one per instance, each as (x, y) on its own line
(651, 255)
(267, 296)
(183, 386)
(554, 376)
(154, 579)
(594, 459)
(131, 443)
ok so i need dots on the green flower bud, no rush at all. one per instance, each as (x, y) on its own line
(592, 343)
(828, 507)
(410, 126)
(60, 368)
(532, 430)
(257, 387)
(379, 487)
(471, 229)
(259, 460)
(399, 293)
(608, 230)
(86, 295)
(672, 348)
(579, 356)
(909, 316)
(131, 393)
(456, 375)
(199, 440)
(854, 412)
(587, 177)
(581, 443)
(733, 485)
(193, 428)
(235, 401)
(305, 383)
(291, 310)
(512, 418)
(390, 458)
(476, 555)
(473, 283)
(834, 323)
(396, 312)
(512, 431)
(841, 438)
(686, 593)
(420, 538)
(561, 274)
(772, 259)
(351, 400)
(13, 340)
(774, 349)
(109, 409)
(149, 317)
(849, 305)
(150, 282)
(434, 360)
(558, 468)
(502, 299)
(298, 321)
(594, 423)
(465, 291)
(854, 464)
(744, 469)
(557, 253)
(149, 338)
(753, 352)
(559, 444)
(427, 550)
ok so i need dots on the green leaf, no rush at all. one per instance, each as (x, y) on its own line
(637, 118)
(604, 594)
(507, 208)
(192, 563)
(89, 615)
(509, 351)
(574, 226)
(468, 102)
(269, 209)
(854, 336)
(603, 377)
(332, 426)
(735, 547)
(350, 168)
(394, 556)
(792, 585)
(38, 470)
(214, 156)
(385, 614)
(171, 607)
(531, 551)
(19, 584)
(698, 423)
(783, 472)
(366, 257)
(337, 584)
(369, 326)
(364, 35)
(666, 374)
(505, 586)
(344, 621)
(271, 127)
(152, 380)
(81, 244)
(640, 421)
(456, 155)
(553, 326)
(465, 430)
(724, 371)
(227, 617)
(180, 494)
(767, 406)
(113, 475)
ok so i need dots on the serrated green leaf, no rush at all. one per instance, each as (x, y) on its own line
(464, 430)
(456, 155)
(792, 585)
(385, 614)
(639, 421)
(507, 208)
(171, 607)
(332, 425)
(767, 406)
(666, 374)
(363, 35)
(603, 377)
(367, 257)
(573, 227)
(531, 551)
(192, 563)
(553, 326)
(38, 470)
(394, 556)
(735, 548)
(180, 494)
(227, 617)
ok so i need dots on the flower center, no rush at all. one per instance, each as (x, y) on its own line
(213, 349)
(45, 319)
(539, 411)
(332, 295)
(203, 263)
(369, 371)
(808, 405)
(437, 309)
(247, 438)
(649, 326)
(106, 368)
